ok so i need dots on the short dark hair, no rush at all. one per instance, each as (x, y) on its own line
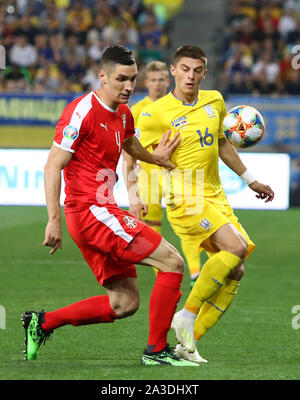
(190, 52)
(117, 55)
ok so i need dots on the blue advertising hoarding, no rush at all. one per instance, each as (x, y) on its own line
(282, 115)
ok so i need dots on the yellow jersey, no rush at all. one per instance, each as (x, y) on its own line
(197, 155)
(136, 109)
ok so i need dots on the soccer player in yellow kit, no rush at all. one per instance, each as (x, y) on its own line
(197, 206)
(147, 201)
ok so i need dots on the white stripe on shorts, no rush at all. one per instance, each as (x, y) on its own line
(102, 214)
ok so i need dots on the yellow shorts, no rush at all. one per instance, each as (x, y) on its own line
(151, 192)
(199, 227)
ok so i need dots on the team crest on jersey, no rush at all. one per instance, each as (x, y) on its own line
(70, 132)
(205, 224)
(179, 122)
(124, 120)
(130, 221)
(137, 133)
(209, 111)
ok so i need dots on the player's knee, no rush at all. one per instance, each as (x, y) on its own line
(127, 306)
(237, 273)
(176, 263)
(240, 247)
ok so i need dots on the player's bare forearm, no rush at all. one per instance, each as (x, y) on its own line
(52, 176)
(57, 160)
(130, 174)
(160, 156)
(230, 157)
(129, 170)
(134, 148)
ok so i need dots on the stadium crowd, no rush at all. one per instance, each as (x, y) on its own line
(260, 42)
(56, 45)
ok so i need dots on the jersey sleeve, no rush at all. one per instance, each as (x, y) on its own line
(129, 124)
(73, 125)
(222, 116)
(136, 110)
(149, 129)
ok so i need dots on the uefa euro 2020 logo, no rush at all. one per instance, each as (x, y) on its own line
(2, 58)
(70, 132)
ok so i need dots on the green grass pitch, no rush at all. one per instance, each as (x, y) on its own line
(254, 340)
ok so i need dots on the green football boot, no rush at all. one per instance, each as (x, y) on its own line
(34, 334)
(165, 357)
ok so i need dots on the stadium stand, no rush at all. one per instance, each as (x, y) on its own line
(258, 47)
(55, 45)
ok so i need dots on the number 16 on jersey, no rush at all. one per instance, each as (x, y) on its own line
(207, 139)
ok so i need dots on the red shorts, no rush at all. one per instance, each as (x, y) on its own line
(111, 241)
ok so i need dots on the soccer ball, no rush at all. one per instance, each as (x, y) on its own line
(243, 126)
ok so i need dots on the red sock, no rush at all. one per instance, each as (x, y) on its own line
(89, 311)
(163, 301)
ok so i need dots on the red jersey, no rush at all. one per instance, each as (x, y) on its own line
(95, 134)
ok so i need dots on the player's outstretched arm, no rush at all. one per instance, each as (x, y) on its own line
(231, 158)
(160, 156)
(129, 169)
(57, 160)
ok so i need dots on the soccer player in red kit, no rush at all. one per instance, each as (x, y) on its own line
(87, 145)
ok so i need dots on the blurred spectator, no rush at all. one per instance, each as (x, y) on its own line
(265, 73)
(73, 45)
(80, 14)
(51, 20)
(28, 27)
(60, 42)
(72, 68)
(292, 86)
(43, 50)
(236, 63)
(238, 84)
(22, 53)
(267, 31)
(287, 23)
(47, 75)
(16, 78)
(95, 46)
(294, 35)
(150, 52)
(150, 30)
(91, 80)
(260, 36)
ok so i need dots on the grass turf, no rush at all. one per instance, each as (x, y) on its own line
(254, 340)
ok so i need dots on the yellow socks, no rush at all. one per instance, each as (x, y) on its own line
(212, 309)
(211, 279)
